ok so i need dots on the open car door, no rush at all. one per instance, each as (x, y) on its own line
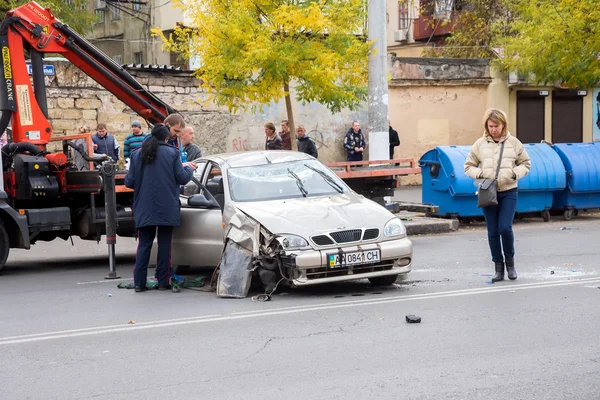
(198, 241)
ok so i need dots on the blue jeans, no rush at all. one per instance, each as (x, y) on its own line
(146, 237)
(499, 220)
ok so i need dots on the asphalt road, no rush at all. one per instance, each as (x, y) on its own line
(66, 332)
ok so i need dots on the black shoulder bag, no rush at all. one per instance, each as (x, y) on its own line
(487, 194)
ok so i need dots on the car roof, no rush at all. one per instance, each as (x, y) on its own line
(262, 157)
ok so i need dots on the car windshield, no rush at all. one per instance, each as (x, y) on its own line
(304, 178)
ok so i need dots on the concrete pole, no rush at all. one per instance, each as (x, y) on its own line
(379, 141)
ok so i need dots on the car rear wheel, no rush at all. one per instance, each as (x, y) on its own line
(383, 280)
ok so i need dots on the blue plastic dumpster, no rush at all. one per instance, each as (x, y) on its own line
(582, 165)
(446, 185)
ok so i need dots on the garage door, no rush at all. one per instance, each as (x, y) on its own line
(530, 116)
(567, 117)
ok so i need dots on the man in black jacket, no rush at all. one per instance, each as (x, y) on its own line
(354, 143)
(306, 144)
(394, 140)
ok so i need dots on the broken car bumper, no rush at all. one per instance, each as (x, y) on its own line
(393, 257)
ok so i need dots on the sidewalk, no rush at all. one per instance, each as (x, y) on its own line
(418, 223)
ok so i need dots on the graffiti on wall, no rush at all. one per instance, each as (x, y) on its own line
(239, 144)
(596, 116)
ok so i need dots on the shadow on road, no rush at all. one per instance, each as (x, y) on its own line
(33, 266)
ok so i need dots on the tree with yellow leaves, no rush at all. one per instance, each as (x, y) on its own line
(251, 51)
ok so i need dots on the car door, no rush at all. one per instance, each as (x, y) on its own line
(198, 241)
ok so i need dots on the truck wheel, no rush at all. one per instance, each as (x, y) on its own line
(4, 245)
(383, 280)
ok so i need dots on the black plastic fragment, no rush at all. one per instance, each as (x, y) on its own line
(413, 319)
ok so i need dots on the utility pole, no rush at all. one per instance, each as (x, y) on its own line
(379, 141)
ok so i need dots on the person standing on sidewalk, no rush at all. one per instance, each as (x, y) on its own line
(134, 140)
(394, 140)
(105, 143)
(354, 143)
(272, 139)
(155, 173)
(285, 135)
(304, 143)
(498, 149)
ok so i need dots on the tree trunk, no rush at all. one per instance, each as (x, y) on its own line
(290, 114)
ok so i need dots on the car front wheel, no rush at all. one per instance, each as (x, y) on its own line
(383, 280)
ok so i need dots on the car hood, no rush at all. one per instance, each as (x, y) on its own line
(317, 215)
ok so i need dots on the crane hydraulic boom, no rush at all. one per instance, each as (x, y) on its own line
(35, 27)
(44, 195)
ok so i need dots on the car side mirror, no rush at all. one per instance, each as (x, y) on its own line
(199, 201)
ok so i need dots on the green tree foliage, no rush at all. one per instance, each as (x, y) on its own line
(250, 51)
(76, 14)
(476, 25)
(556, 40)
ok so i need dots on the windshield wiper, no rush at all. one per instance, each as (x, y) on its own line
(327, 178)
(299, 183)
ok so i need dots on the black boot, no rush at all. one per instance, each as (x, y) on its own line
(499, 275)
(510, 269)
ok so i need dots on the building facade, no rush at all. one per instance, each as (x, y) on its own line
(536, 113)
(123, 30)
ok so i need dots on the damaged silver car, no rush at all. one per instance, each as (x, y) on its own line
(283, 216)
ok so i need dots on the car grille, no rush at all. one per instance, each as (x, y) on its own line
(356, 270)
(349, 236)
(346, 236)
(371, 234)
(322, 240)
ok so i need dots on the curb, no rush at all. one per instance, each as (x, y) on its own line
(427, 226)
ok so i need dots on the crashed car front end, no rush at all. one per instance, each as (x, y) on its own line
(344, 261)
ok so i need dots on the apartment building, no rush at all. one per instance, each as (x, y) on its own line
(122, 30)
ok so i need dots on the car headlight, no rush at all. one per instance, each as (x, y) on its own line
(394, 227)
(292, 242)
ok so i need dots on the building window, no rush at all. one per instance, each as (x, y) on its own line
(137, 6)
(138, 57)
(116, 12)
(177, 61)
(118, 59)
(403, 15)
(99, 16)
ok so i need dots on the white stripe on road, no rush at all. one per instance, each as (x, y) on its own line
(281, 311)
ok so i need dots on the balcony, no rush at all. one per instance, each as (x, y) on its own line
(427, 26)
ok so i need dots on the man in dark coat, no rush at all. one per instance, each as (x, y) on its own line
(354, 143)
(394, 140)
(306, 144)
(285, 135)
(155, 174)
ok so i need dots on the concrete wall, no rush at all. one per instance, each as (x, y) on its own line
(75, 99)
(437, 102)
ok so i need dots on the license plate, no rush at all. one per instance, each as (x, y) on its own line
(353, 258)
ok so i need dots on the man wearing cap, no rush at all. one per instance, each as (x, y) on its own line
(134, 140)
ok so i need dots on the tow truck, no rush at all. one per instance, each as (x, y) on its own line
(43, 196)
